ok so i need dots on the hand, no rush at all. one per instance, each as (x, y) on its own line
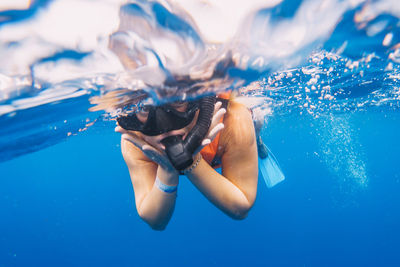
(215, 127)
(151, 152)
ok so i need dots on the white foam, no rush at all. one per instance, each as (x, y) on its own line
(14, 4)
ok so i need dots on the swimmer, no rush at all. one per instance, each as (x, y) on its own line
(192, 139)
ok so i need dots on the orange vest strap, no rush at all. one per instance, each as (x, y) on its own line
(209, 151)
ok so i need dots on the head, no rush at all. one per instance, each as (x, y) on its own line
(178, 127)
(158, 122)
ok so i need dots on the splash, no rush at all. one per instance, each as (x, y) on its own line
(164, 49)
(173, 53)
(331, 83)
(314, 57)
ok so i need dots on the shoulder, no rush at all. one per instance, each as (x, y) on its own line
(237, 112)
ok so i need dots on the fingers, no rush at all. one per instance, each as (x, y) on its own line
(147, 147)
(205, 142)
(150, 152)
(216, 126)
(130, 136)
(211, 135)
(157, 156)
(120, 130)
(214, 131)
(134, 139)
(217, 106)
(217, 116)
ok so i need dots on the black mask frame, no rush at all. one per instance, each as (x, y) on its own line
(161, 119)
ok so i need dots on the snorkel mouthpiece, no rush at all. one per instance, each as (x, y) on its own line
(180, 157)
(180, 152)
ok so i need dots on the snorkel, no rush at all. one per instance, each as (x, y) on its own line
(179, 151)
(163, 119)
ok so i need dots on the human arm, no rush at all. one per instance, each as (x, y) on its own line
(153, 205)
(234, 190)
(139, 146)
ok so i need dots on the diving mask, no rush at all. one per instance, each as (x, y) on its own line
(160, 119)
(165, 118)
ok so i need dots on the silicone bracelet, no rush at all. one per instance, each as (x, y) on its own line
(165, 188)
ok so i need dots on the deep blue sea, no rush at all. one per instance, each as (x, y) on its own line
(333, 123)
(72, 205)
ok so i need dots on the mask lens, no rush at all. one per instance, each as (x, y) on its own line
(179, 106)
(145, 109)
(143, 113)
(152, 120)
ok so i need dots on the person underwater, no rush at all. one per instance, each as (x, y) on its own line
(160, 143)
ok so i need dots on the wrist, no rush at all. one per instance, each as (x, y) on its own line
(164, 187)
(167, 177)
(194, 165)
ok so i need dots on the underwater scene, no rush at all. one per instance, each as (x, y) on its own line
(322, 76)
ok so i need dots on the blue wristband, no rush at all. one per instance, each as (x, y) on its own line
(165, 188)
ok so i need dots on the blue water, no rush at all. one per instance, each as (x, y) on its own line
(72, 205)
(65, 194)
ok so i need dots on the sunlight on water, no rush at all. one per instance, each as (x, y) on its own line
(174, 40)
(324, 59)
(173, 48)
(14, 4)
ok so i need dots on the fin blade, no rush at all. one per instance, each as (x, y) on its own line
(270, 170)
